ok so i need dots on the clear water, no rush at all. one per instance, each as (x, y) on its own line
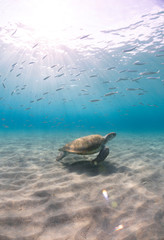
(90, 71)
(108, 80)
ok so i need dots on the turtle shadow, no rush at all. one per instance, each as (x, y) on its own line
(103, 168)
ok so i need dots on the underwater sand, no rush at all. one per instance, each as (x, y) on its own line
(43, 199)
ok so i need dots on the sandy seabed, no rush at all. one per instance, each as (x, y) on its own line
(41, 199)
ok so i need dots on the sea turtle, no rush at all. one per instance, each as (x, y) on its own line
(88, 145)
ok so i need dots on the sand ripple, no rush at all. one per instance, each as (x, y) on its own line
(41, 199)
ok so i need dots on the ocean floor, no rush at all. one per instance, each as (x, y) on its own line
(41, 199)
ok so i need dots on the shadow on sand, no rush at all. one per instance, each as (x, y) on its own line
(86, 167)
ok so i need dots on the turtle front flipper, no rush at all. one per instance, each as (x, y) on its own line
(101, 156)
(61, 156)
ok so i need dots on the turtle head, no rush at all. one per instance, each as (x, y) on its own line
(109, 137)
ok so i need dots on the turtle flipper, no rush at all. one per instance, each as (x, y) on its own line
(61, 156)
(101, 156)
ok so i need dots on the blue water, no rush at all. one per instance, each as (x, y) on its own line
(51, 92)
(73, 97)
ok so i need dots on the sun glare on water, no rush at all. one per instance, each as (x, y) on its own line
(74, 23)
(50, 19)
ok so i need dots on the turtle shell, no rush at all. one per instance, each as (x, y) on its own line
(84, 145)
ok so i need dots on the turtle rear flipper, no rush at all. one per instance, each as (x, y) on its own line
(101, 156)
(61, 156)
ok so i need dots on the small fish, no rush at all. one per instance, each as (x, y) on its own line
(18, 74)
(122, 71)
(53, 66)
(14, 32)
(111, 68)
(153, 77)
(138, 63)
(44, 57)
(84, 90)
(60, 69)
(31, 62)
(132, 71)
(3, 85)
(110, 93)
(122, 79)
(39, 99)
(129, 50)
(45, 93)
(149, 73)
(14, 64)
(152, 105)
(133, 89)
(77, 75)
(95, 100)
(106, 31)
(5, 126)
(32, 101)
(135, 79)
(159, 55)
(85, 36)
(58, 89)
(59, 75)
(154, 18)
(105, 82)
(28, 108)
(35, 45)
(92, 76)
(46, 77)
(155, 105)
